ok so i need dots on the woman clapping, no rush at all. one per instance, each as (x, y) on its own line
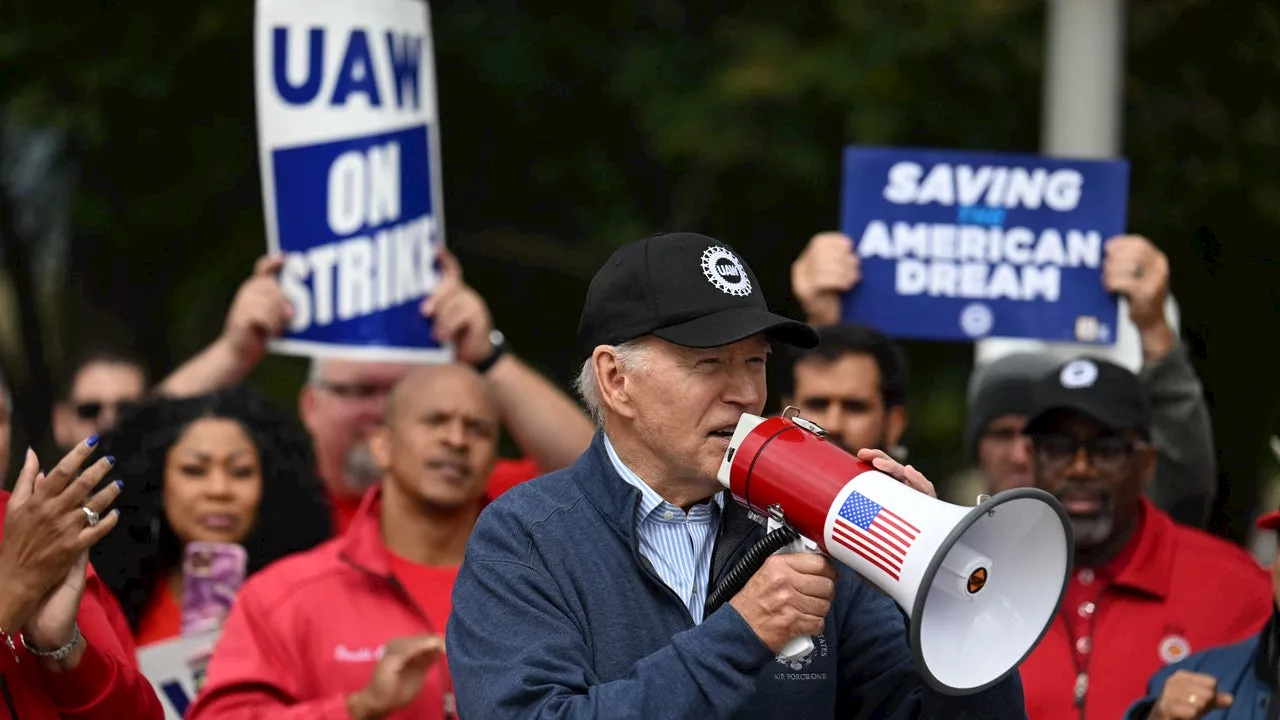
(65, 650)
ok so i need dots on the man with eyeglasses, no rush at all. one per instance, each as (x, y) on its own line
(100, 386)
(1146, 592)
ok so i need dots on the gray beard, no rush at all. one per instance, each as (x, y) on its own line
(1091, 532)
(360, 471)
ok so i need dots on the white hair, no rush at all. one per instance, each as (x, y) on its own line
(631, 353)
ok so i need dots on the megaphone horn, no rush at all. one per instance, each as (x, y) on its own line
(981, 585)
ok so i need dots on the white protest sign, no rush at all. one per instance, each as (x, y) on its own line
(349, 150)
(176, 669)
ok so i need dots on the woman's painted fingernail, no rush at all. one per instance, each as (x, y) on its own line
(93, 440)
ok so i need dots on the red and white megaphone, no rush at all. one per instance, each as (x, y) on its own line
(981, 585)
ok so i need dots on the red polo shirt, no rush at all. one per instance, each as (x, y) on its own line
(1172, 591)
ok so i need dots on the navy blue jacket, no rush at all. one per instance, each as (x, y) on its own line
(556, 614)
(1245, 669)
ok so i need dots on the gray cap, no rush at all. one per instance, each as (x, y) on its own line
(1002, 387)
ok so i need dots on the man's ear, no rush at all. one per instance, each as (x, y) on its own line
(380, 447)
(307, 406)
(1148, 458)
(895, 425)
(612, 381)
(62, 425)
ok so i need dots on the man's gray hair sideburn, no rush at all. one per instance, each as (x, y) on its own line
(629, 354)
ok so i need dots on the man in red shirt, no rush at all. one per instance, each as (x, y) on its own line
(354, 628)
(342, 400)
(1146, 591)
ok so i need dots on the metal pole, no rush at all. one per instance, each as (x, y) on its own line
(1081, 118)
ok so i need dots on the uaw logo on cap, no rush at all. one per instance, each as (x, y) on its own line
(1078, 374)
(725, 271)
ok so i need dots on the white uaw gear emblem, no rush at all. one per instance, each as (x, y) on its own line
(1078, 374)
(725, 271)
(1174, 648)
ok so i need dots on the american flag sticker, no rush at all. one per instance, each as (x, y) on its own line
(874, 533)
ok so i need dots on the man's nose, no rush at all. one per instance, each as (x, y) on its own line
(1020, 452)
(1080, 464)
(455, 434)
(832, 418)
(742, 389)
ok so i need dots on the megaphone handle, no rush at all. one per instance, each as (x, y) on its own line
(796, 649)
(800, 646)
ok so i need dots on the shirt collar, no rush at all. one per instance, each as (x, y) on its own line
(650, 501)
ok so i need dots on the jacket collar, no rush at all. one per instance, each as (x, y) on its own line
(614, 498)
(617, 501)
(1266, 659)
(362, 544)
(1151, 565)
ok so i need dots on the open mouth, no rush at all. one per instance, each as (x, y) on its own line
(725, 432)
(451, 470)
(1083, 502)
(219, 522)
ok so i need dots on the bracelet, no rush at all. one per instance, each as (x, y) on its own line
(59, 653)
(499, 347)
(7, 639)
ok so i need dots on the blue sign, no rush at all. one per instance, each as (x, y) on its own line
(963, 246)
(350, 165)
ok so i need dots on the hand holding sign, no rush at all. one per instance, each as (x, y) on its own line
(964, 246)
(397, 678)
(1136, 269)
(259, 312)
(826, 269)
(459, 313)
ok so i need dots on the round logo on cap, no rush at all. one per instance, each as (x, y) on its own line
(1078, 374)
(725, 271)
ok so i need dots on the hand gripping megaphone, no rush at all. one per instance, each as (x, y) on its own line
(980, 585)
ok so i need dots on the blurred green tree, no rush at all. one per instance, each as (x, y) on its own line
(568, 132)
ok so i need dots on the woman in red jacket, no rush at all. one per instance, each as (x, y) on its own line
(65, 652)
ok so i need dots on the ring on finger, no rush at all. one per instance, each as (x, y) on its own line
(1137, 270)
(91, 515)
(1192, 699)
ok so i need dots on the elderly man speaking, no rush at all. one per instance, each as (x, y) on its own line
(582, 592)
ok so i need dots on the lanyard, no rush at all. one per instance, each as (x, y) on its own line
(1082, 666)
(8, 697)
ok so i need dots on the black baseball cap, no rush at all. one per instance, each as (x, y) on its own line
(685, 288)
(1098, 388)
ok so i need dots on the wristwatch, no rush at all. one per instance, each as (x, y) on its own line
(58, 653)
(499, 342)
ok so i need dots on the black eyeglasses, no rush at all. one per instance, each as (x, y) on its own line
(92, 410)
(355, 391)
(1106, 452)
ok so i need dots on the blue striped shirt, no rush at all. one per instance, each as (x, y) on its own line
(678, 545)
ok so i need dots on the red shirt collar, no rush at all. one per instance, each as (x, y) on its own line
(1146, 562)
(362, 543)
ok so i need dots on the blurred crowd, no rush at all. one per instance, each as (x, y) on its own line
(355, 511)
